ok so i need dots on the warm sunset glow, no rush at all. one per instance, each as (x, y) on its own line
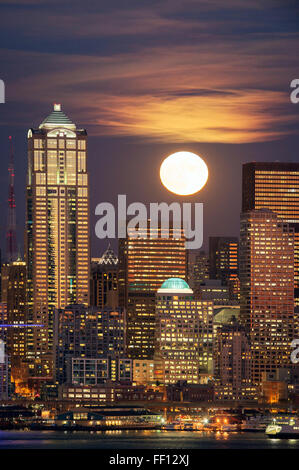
(184, 173)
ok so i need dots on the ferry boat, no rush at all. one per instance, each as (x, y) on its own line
(257, 423)
(284, 428)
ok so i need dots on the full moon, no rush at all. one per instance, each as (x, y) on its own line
(184, 173)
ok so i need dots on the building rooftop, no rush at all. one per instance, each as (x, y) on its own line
(56, 119)
(109, 257)
(175, 285)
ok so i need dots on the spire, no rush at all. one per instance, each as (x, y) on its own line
(11, 237)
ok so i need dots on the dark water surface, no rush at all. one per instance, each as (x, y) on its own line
(140, 440)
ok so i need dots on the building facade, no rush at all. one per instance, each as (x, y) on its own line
(224, 262)
(232, 364)
(87, 332)
(275, 186)
(104, 280)
(184, 335)
(267, 289)
(14, 294)
(57, 230)
(145, 263)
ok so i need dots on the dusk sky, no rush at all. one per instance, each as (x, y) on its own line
(148, 78)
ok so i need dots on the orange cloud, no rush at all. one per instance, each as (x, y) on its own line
(217, 91)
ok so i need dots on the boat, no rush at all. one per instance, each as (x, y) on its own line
(256, 423)
(284, 428)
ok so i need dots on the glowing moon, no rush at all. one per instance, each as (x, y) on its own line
(184, 173)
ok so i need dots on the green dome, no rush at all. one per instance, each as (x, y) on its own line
(175, 283)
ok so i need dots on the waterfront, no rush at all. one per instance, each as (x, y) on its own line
(120, 440)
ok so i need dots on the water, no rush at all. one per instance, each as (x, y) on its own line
(118, 440)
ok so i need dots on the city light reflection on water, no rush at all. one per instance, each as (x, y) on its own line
(147, 439)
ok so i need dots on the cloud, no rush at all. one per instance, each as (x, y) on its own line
(151, 73)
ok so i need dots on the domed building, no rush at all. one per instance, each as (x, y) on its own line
(184, 334)
(175, 285)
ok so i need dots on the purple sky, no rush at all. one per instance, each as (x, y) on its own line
(147, 78)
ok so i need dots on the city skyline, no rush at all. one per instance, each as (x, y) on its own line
(172, 127)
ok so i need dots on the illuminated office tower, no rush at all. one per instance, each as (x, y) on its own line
(57, 230)
(184, 335)
(14, 295)
(224, 264)
(267, 289)
(145, 263)
(275, 186)
(104, 280)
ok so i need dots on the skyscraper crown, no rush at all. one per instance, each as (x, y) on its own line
(57, 119)
(109, 257)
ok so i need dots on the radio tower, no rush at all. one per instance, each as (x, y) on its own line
(11, 237)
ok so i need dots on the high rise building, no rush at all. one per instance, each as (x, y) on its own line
(198, 269)
(104, 280)
(275, 186)
(14, 295)
(267, 289)
(87, 332)
(145, 263)
(4, 378)
(57, 230)
(232, 364)
(224, 263)
(3, 321)
(184, 335)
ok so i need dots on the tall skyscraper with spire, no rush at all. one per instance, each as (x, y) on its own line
(57, 230)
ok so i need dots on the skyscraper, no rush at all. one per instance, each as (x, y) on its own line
(104, 280)
(198, 268)
(14, 295)
(232, 363)
(145, 263)
(184, 334)
(267, 289)
(224, 263)
(275, 186)
(57, 230)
